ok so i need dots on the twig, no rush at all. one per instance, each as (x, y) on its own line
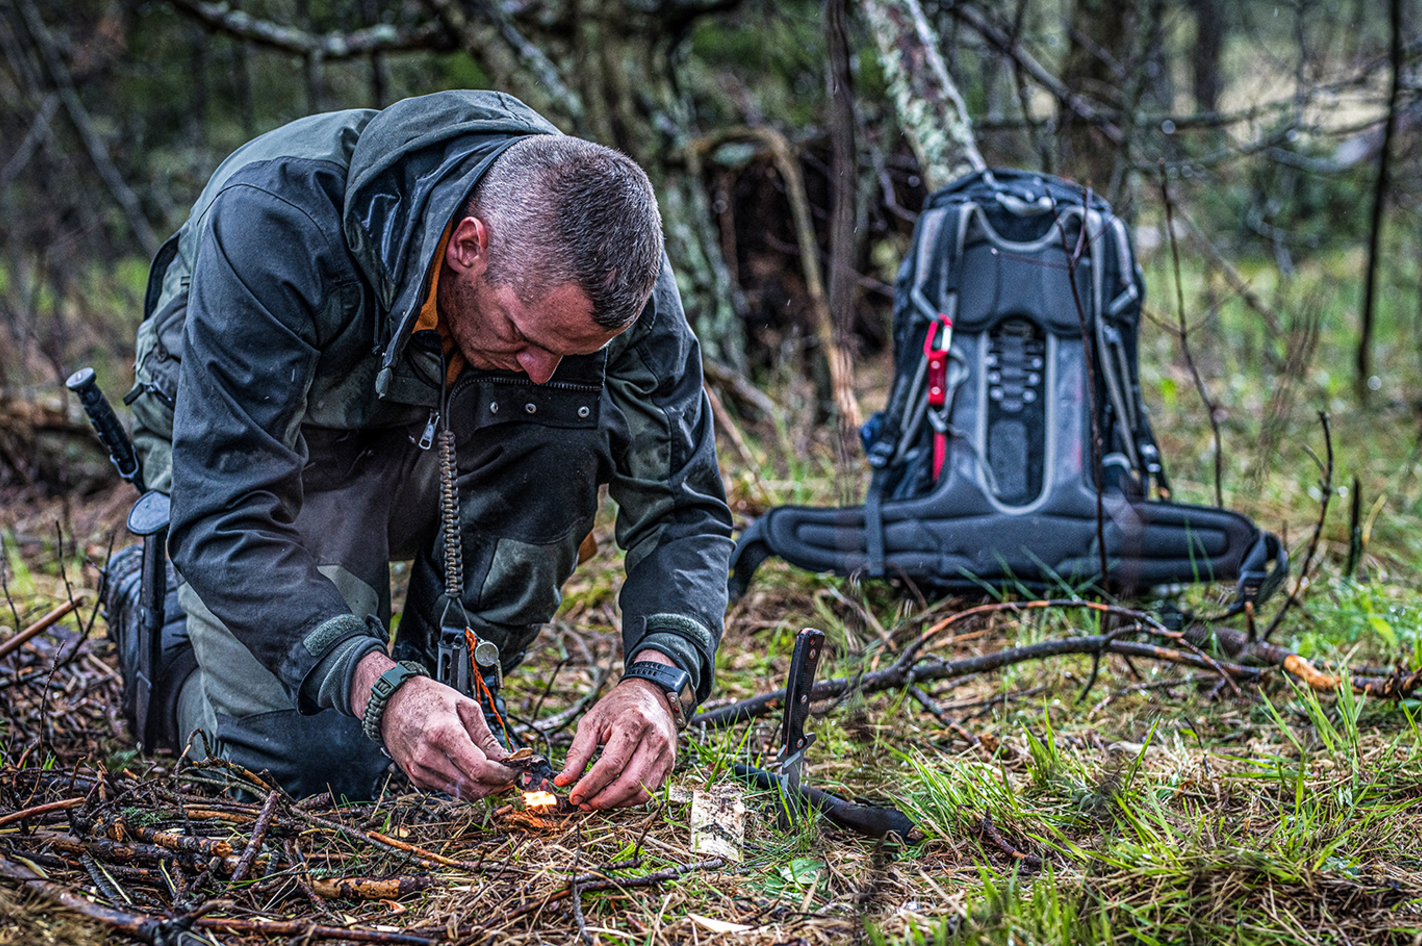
(1326, 489)
(1029, 65)
(370, 888)
(259, 834)
(985, 825)
(898, 675)
(93, 143)
(1073, 260)
(308, 931)
(140, 926)
(589, 883)
(557, 721)
(383, 37)
(39, 810)
(1397, 685)
(37, 628)
(732, 431)
(1185, 340)
(940, 714)
(1365, 331)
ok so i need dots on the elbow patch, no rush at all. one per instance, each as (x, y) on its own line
(328, 633)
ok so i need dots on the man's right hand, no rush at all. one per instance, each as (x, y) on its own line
(435, 734)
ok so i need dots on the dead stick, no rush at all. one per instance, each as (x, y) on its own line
(420, 855)
(899, 675)
(370, 888)
(307, 931)
(44, 809)
(37, 628)
(985, 825)
(140, 926)
(1238, 646)
(588, 883)
(215, 847)
(416, 850)
(259, 834)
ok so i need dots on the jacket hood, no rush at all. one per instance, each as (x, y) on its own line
(414, 167)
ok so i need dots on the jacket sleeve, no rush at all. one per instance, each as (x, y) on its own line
(672, 518)
(264, 271)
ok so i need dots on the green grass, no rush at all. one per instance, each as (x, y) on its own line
(1163, 812)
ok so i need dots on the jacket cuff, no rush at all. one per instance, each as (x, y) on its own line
(342, 642)
(682, 640)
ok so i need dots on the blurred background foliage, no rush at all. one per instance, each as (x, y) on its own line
(1266, 121)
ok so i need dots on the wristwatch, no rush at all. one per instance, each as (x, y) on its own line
(675, 683)
(380, 693)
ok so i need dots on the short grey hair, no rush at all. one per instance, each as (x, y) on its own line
(563, 210)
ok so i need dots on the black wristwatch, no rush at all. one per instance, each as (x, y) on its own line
(675, 683)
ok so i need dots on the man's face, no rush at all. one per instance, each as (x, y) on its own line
(494, 329)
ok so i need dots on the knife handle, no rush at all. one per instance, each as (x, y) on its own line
(804, 661)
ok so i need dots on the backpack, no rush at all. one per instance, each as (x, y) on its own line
(1016, 317)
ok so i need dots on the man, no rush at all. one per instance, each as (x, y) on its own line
(352, 294)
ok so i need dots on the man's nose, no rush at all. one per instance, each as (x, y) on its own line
(538, 364)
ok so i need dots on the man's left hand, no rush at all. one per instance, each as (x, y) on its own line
(634, 723)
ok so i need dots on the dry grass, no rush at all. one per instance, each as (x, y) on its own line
(1160, 808)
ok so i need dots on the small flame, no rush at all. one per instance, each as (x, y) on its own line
(539, 799)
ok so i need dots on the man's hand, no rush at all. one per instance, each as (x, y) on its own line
(635, 724)
(435, 734)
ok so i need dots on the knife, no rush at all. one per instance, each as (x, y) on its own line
(804, 660)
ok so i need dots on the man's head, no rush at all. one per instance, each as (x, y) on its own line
(555, 255)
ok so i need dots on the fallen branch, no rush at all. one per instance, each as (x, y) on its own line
(37, 628)
(305, 931)
(44, 809)
(1397, 685)
(899, 676)
(259, 834)
(139, 926)
(382, 37)
(986, 828)
(910, 669)
(590, 883)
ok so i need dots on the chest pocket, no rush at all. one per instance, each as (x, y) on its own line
(571, 399)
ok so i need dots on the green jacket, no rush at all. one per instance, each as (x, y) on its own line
(287, 300)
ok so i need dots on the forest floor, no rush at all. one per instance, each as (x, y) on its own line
(1150, 803)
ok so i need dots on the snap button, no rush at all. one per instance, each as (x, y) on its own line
(493, 407)
(583, 412)
(531, 407)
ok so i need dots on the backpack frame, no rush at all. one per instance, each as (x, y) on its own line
(985, 472)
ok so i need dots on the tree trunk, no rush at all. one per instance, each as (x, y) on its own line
(1100, 42)
(1205, 60)
(930, 109)
(632, 102)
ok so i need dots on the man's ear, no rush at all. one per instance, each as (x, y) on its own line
(468, 249)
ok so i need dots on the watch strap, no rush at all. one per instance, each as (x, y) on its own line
(380, 693)
(673, 681)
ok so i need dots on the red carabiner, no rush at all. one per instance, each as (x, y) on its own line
(938, 360)
(937, 356)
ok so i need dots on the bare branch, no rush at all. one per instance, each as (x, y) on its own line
(1031, 67)
(223, 18)
(88, 134)
(452, 15)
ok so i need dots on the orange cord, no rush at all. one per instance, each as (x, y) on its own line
(481, 689)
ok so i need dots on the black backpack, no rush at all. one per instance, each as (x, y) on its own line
(985, 474)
